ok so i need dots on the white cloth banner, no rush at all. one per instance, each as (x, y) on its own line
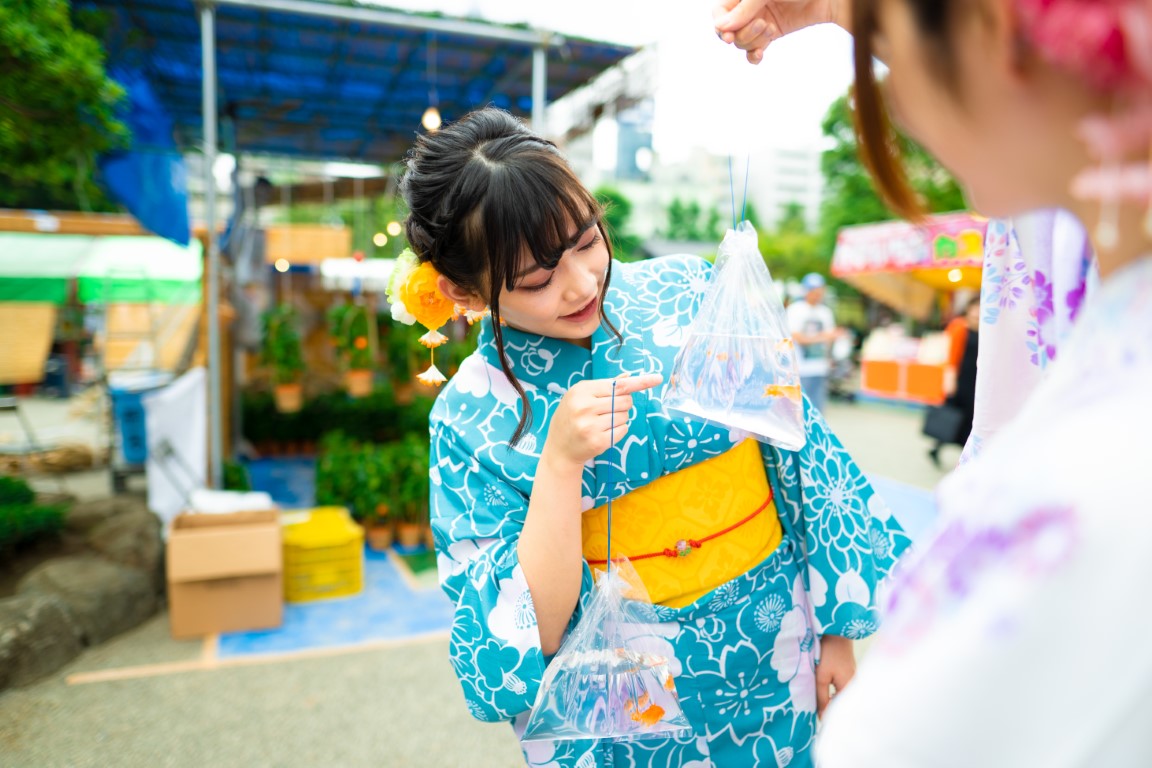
(176, 421)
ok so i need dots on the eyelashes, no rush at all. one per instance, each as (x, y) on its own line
(535, 288)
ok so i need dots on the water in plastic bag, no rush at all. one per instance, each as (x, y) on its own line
(737, 367)
(609, 680)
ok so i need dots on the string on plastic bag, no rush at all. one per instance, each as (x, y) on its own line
(610, 679)
(737, 367)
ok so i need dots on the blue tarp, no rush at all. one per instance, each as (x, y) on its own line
(149, 179)
(309, 86)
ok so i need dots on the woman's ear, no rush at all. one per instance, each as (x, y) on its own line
(464, 298)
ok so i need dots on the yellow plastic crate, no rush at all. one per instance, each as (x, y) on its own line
(323, 555)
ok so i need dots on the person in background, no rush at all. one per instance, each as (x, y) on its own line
(960, 384)
(813, 329)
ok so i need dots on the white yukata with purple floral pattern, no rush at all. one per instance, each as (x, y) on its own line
(1038, 271)
(744, 654)
(1015, 636)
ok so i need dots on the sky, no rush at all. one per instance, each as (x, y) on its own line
(709, 96)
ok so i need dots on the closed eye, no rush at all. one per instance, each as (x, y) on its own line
(538, 287)
(595, 239)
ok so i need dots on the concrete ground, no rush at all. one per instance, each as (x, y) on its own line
(387, 706)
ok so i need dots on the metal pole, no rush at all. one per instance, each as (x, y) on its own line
(215, 404)
(539, 85)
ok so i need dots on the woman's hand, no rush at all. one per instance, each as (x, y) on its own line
(836, 668)
(751, 25)
(588, 421)
(550, 544)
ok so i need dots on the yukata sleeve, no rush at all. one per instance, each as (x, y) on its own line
(477, 517)
(847, 534)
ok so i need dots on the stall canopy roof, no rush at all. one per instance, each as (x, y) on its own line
(303, 85)
(38, 267)
(905, 265)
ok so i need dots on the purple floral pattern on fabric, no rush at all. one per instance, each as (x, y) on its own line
(1038, 270)
(1041, 343)
(1006, 281)
(945, 573)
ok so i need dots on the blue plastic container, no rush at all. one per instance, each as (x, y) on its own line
(128, 411)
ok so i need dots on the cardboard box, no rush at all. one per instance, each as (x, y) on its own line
(225, 573)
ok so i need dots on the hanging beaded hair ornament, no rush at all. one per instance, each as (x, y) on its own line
(414, 293)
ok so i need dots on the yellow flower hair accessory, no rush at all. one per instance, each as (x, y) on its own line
(414, 293)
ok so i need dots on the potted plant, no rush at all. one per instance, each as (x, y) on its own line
(403, 352)
(411, 490)
(374, 477)
(352, 327)
(378, 528)
(283, 353)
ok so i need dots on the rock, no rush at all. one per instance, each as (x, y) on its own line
(37, 637)
(132, 538)
(102, 598)
(86, 515)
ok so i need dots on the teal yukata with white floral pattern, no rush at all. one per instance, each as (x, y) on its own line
(744, 654)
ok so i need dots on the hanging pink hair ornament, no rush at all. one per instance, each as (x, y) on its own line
(1109, 44)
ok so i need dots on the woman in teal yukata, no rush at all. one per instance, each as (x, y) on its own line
(774, 561)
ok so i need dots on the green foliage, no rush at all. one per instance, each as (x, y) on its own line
(282, 351)
(789, 249)
(364, 216)
(690, 223)
(236, 477)
(375, 418)
(617, 215)
(349, 327)
(849, 195)
(57, 108)
(404, 351)
(22, 520)
(377, 481)
(13, 490)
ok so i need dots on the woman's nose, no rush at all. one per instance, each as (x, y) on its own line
(580, 279)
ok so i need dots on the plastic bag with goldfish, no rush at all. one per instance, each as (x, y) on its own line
(737, 367)
(611, 679)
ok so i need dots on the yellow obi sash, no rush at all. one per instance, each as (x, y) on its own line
(691, 531)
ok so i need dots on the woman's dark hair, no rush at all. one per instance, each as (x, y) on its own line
(480, 193)
(879, 144)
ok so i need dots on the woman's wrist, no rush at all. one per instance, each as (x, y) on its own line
(555, 464)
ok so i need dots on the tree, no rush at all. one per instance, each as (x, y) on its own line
(57, 107)
(790, 250)
(690, 223)
(849, 195)
(617, 213)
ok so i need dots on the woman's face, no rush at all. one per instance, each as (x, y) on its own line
(1003, 128)
(563, 303)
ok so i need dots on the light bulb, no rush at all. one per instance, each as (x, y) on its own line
(394, 228)
(431, 119)
(955, 276)
(282, 265)
(380, 239)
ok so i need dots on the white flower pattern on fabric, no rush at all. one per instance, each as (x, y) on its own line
(750, 639)
(769, 613)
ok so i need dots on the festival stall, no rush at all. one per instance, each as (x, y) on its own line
(139, 294)
(912, 268)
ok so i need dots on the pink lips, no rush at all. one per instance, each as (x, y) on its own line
(584, 314)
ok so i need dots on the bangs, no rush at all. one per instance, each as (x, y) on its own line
(533, 205)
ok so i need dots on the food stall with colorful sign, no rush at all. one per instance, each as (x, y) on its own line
(912, 268)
